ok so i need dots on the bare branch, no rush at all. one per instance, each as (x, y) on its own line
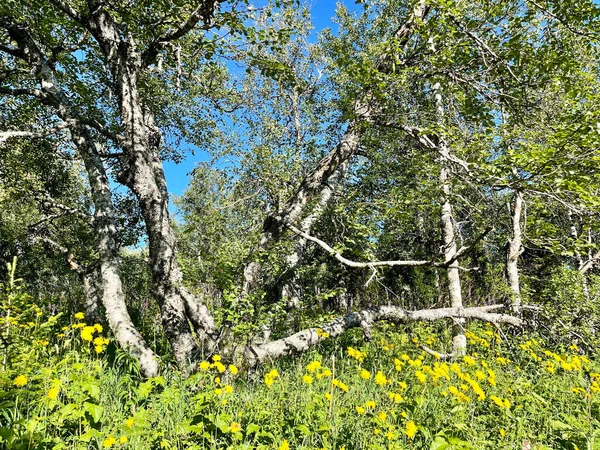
(6, 135)
(373, 264)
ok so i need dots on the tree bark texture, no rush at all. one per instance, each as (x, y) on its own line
(110, 284)
(143, 173)
(515, 248)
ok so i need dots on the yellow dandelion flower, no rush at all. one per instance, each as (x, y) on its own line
(123, 439)
(365, 374)
(130, 422)
(109, 442)
(220, 367)
(228, 389)
(380, 379)
(235, 427)
(307, 379)
(20, 381)
(216, 358)
(204, 365)
(313, 366)
(53, 393)
(411, 429)
(233, 369)
(382, 415)
(421, 376)
(87, 333)
(328, 396)
(98, 349)
(98, 327)
(360, 410)
(79, 316)
(370, 404)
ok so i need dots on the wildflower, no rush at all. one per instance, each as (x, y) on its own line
(98, 327)
(109, 442)
(356, 354)
(235, 427)
(370, 404)
(380, 379)
(129, 422)
(98, 348)
(499, 402)
(307, 379)
(398, 364)
(396, 398)
(405, 357)
(411, 429)
(53, 393)
(502, 432)
(382, 416)
(20, 381)
(340, 384)
(218, 391)
(365, 374)
(390, 435)
(233, 369)
(328, 396)
(219, 366)
(204, 365)
(313, 366)
(421, 376)
(228, 389)
(325, 373)
(87, 333)
(322, 334)
(270, 377)
(480, 375)
(376, 431)
(404, 414)
(79, 316)
(403, 384)
(123, 439)
(469, 360)
(285, 445)
(360, 410)
(216, 358)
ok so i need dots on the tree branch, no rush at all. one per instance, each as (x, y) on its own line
(204, 11)
(6, 135)
(305, 339)
(464, 249)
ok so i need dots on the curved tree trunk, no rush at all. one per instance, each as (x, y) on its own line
(110, 284)
(143, 173)
(104, 216)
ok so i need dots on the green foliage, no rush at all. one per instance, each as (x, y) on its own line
(346, 394)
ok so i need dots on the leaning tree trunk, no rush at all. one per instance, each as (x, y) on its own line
(143, 173)
(515, 248)
(290, 288)
(110, 285)
(316, 182)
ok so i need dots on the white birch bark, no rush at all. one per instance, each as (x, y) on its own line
(111, 288)
(459, 340)
(515, 248)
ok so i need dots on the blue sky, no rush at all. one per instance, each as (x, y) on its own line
(322, 12)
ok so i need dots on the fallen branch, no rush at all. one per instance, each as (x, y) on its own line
(305, 339)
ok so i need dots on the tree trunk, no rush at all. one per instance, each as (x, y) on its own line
(290, 288)
(110, 285)
(143, 173)
(459, 340)
(104, 216)
(515, 248)
(316, 182)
